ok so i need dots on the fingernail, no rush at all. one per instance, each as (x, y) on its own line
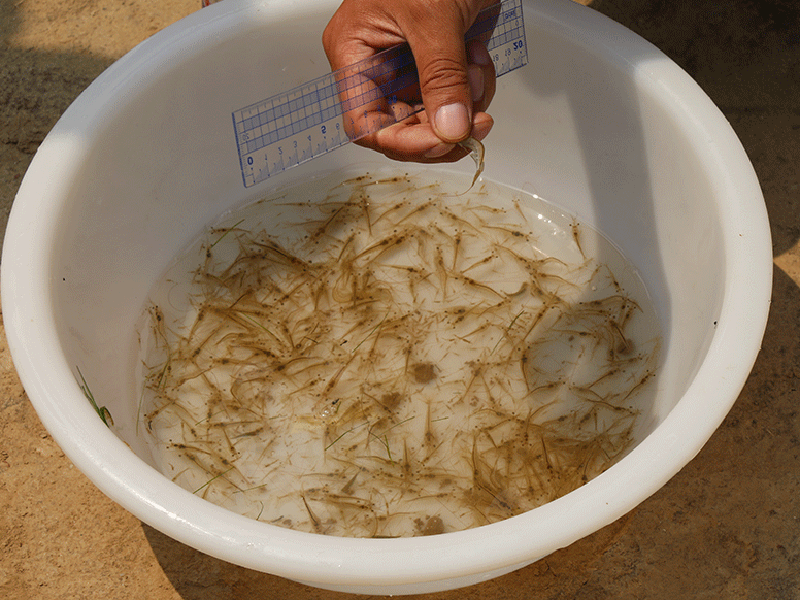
(481, 130)
(476, 82)
(451, 122)
(479, 55)
(439, 150)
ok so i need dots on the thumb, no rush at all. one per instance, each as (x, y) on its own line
(437, 42)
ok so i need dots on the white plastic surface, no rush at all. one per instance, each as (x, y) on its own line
(600, 122)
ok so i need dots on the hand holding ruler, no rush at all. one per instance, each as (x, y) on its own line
(293, 127)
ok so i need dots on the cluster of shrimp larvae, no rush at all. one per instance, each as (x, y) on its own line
(391, 360)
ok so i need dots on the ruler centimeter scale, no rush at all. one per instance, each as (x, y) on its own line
(291, 128)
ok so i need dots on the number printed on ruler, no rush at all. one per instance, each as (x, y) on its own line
(293, 127)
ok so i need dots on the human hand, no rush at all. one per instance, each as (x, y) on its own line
(457, 81)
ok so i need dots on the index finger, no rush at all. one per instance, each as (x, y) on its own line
(378, 91)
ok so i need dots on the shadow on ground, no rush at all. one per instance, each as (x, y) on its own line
(35, 89)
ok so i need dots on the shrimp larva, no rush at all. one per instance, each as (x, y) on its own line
(382, 356)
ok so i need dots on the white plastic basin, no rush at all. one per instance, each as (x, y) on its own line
(599, 122)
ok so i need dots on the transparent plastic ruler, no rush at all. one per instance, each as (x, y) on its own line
(291, 128)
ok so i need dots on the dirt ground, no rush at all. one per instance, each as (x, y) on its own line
(725, 527)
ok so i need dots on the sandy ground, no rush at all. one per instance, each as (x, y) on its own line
(725, 527)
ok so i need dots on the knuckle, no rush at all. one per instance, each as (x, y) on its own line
(442, 75)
